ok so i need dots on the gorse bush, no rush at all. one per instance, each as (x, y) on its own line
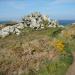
(59, 45)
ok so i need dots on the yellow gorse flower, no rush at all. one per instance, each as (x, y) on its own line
(59, 45)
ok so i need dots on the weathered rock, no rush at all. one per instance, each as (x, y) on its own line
(9, 29)
(3, 33)
(17, 31)
(34, 20)
(73, 23)
(61, 26)
(45, 18)
(19, 26)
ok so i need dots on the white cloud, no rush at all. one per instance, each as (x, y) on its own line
(63, 1)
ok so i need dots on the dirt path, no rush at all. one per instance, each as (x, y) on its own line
(71, 70)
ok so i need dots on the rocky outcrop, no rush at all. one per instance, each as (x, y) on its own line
(37, 20)
(73, 23)
(34, 20)
(8, 30)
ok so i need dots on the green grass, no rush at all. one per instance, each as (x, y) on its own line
(57, 67)
(53, 68)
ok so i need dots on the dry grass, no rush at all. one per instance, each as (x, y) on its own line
(19, 54)
(25, 53)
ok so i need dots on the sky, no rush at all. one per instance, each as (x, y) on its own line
(55, 9)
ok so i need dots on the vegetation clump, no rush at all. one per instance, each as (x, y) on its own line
(59, 45)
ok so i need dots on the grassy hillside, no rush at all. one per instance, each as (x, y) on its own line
(41, 52)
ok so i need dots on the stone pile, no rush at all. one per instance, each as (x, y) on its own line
(34, 20)
(15, 29)
(37, 20)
